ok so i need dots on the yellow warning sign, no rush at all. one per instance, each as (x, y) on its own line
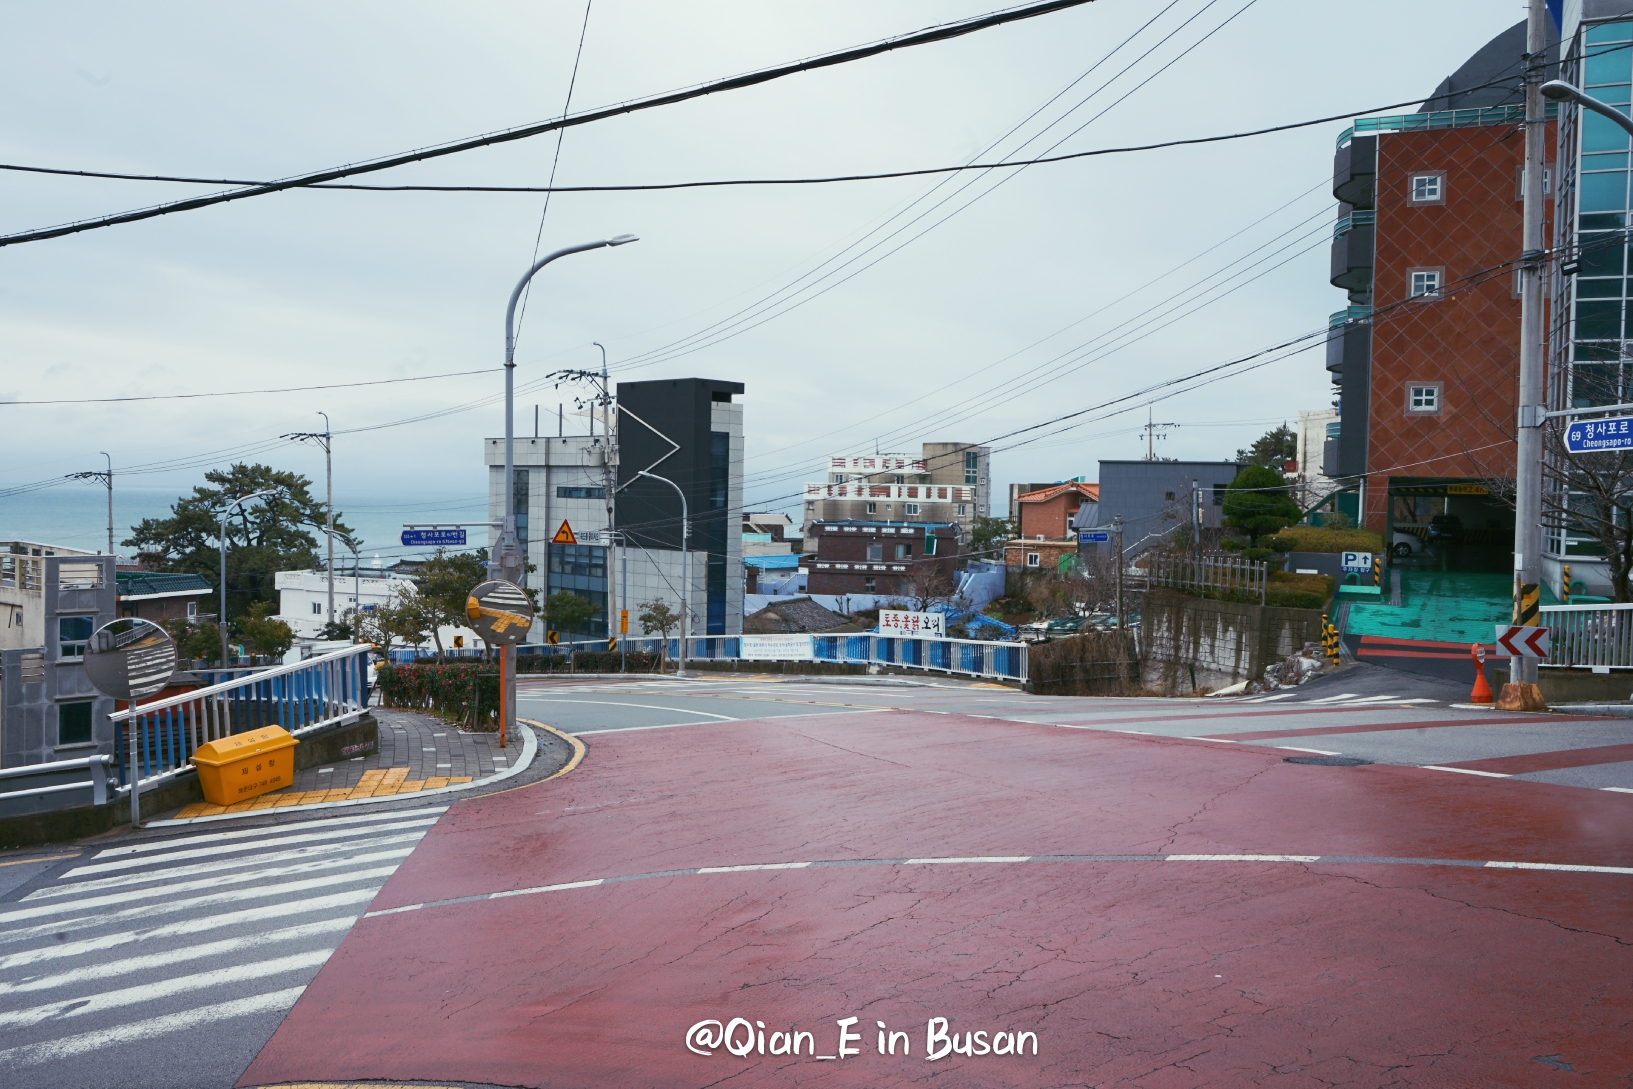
(564, 535)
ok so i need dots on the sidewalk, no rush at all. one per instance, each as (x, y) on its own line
(417, 752)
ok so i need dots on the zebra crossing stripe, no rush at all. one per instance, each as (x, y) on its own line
(203, 852)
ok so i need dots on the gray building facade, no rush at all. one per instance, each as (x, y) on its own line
(1155, 498)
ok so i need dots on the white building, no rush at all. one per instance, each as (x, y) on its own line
(1316, 427)
(946, 482)
(303, 603)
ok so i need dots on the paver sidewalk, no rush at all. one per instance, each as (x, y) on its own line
(416, 752)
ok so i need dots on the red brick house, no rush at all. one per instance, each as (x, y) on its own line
(885, 558)
(1049, 511)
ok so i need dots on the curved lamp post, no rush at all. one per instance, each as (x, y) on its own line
(1560, 91)
(222, 536)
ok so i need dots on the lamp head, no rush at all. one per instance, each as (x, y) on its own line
(1557, 90)
(622, 239)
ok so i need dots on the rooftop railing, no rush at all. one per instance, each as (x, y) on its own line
(1440, 119)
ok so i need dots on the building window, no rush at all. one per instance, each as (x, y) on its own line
(519, 488)
(192, 610)
(1169, 496)
(869, 584)
(74, 723)
(910, 508)
(1427, 188)
(1424, 398)
(72, 634)
(1424, 281)
(972, 467)
(963, 509)
(904, 551)
(876, 550)
(873, 508)
(1033, 560)
(581, 570)
(565, 492)
(317, 608)
(929, 543)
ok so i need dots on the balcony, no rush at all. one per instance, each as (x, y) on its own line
(923, 493)
(1352, 252)
(1355, 171)
(1349, 339)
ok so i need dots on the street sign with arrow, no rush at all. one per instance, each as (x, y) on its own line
(1522, 642)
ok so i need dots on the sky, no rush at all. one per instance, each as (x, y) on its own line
(862, 315)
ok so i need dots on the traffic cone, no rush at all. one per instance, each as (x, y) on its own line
(1482, 690)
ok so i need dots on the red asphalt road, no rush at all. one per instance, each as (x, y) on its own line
(1131, 973)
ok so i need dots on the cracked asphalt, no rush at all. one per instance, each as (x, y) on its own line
(1176, 906)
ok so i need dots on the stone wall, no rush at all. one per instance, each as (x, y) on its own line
(1191, 644)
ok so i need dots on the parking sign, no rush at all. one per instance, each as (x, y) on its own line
(1357, 561)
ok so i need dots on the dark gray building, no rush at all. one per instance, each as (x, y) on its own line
(1155, 498)
(48, 709)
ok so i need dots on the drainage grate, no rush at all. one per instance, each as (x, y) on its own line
(1327, 761)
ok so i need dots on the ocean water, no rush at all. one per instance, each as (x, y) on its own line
(75, 515)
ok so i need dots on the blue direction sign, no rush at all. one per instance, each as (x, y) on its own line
(1094, 536)
(418, 538)
(1596, 436)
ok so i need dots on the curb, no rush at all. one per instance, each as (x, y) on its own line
(530, 748)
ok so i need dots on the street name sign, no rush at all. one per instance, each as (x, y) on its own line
(1522, 642)
(900, 622)
(421, 538)
(501, 612)
(129, 658)
(1596, 436)
(1094, 536)
(1357, 561)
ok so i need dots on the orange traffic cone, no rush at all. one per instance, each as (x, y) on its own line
(1482, 690)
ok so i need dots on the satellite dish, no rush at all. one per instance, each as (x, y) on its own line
(130, 658)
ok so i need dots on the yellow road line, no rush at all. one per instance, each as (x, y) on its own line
(46, 858)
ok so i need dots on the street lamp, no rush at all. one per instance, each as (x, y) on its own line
(1559, 91)
(505, 560)
(685, 567)
(228, 509)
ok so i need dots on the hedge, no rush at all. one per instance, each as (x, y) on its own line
(1320, 539)
(445, 690)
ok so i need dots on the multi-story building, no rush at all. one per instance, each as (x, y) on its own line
(885, 559)
(1050, 512)
(1155, 498)
(570, 490)
(160, 597)
(1425, 355)
(1316, 428)
(22, 581)
(945, 482)
(1591, 350)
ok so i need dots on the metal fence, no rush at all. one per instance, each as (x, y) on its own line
(1210, 572)
(157, 739)
(966, 657)
(1589, 635)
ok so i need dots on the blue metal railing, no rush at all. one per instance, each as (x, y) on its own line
(158, 738)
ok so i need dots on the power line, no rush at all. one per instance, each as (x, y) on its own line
(250, 392)
(941, 33)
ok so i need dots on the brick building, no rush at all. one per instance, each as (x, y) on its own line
(884, 558)
(1426, 355)
(1049, 512)
(157, 596)
(945, 482)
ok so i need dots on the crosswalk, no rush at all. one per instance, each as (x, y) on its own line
(1342, 699)
(138, 952)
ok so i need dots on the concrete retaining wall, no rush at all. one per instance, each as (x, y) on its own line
(1191, 644)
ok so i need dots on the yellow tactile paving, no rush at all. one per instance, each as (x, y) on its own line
(375, 783)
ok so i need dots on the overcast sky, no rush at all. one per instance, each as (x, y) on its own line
(991, 315)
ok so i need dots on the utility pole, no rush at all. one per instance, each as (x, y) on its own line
(324, 438)
(1528, 453)
(609, 462)
(1117, 528)
(1153, 432)
(107, 479)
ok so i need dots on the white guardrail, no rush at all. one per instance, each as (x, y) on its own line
(1589, 635)
(157, 739)
(966, 657)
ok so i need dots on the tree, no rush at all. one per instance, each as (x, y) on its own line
(268, 535)
(988, 535)
(1272, 450)
(337, 629)
(405, 616)
(657, 616)
(200, 641)
(566, 611)
(930, 583)
(264, 633)
(446, 581)
(1592, 494)
(1257, 503)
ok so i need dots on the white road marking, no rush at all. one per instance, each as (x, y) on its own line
(972, 858)
(196, 902)
(171, 842)
(762, 718)
(148, 962)
(305, 854)
(644, 706)
(1557, 866)
(1267, 699)
(201, 852)
(148, 992)
(69, 1046)
(1242, 858)
(1318, 752)
(765, 866)
(247, 917)
(180, 887)
(1335, 699)
(1216, 740)
(1467, 771)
